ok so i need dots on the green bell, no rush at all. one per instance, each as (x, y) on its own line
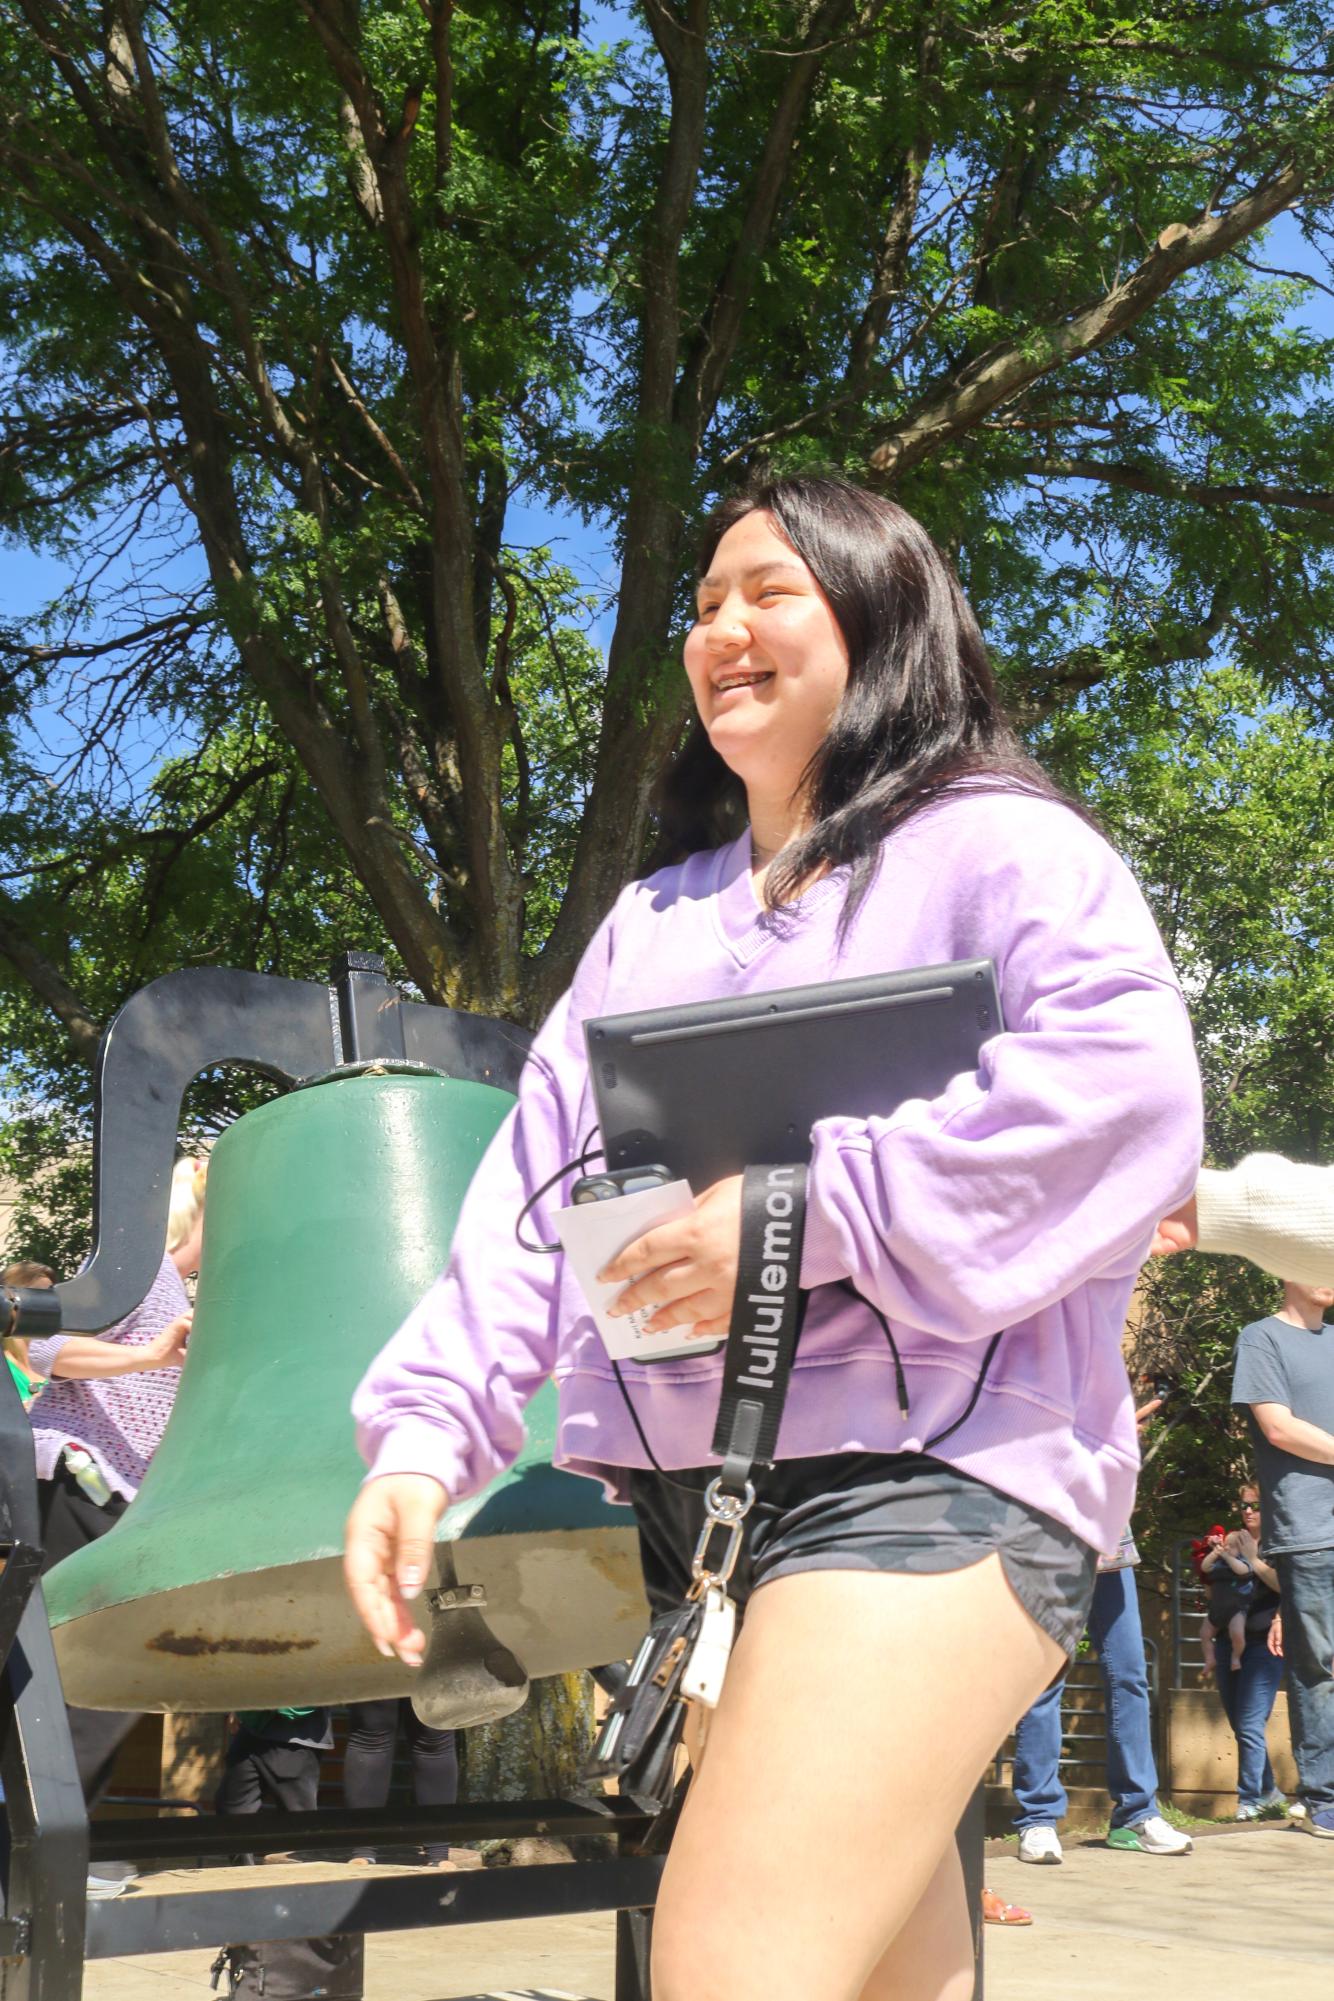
(330, 1211)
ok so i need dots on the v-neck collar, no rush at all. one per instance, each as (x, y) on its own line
(746, 926)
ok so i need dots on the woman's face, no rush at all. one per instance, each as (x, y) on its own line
(1250, 1510)
(766, 660)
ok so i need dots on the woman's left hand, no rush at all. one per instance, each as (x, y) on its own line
(686, 1269)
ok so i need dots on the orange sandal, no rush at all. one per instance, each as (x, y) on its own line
(995, 1911)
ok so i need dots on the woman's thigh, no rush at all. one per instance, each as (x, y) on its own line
(859, 1712)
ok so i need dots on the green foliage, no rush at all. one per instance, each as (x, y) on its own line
(1223, 802)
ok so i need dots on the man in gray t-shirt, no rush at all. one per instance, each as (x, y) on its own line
(1284, 1375)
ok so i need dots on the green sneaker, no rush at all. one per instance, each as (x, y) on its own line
(1153, 1836)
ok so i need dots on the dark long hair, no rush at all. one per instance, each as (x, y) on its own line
(920, 711)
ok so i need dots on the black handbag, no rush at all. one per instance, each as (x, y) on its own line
(640, 1732)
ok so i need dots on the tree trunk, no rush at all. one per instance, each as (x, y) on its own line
(534, 1754)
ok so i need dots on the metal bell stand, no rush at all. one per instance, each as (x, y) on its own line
(48, 1928)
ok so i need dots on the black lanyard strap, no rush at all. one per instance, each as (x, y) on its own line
(767, 1312)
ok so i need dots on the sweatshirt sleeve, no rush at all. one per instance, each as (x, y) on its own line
(1278, 1213)
(42, 1353)
(446, 1395)
(1081, 1126)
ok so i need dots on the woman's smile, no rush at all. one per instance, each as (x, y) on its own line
(736, 681)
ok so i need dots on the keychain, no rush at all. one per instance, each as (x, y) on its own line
(703, 1677)
(683, 1658)
(702, 1680)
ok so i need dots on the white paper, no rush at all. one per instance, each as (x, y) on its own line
(592, 1234)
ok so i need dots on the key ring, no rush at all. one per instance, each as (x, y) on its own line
(725, 1511)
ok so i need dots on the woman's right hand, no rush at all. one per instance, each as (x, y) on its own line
(387, 1558)
(166, 1350)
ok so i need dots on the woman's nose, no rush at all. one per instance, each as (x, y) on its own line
(728, 627)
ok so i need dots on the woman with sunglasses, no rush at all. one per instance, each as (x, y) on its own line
(1248, 1691)
(921, 1560)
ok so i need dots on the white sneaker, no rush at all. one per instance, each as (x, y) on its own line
(1040, 1844)
(1156, 1836)
(1296, 1809)
(1250, 1809)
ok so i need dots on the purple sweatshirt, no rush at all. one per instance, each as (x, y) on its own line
(1023, 1197)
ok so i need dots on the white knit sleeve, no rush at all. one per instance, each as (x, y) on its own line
(1276, 1212)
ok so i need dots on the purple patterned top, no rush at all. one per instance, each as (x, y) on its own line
(119, 1420)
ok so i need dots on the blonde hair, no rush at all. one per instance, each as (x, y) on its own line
(187, 1199)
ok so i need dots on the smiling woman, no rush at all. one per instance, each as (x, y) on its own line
(871, 688)
(768, 667)
(925, 1510)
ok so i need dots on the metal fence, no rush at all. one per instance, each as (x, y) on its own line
(1083, 1758)
(1191, 1667)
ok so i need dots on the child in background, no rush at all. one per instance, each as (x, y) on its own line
(1232, 1587)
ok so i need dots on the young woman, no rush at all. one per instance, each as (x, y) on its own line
(907, 1605)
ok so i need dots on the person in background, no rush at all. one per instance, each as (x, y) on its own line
(1247, 1695)
(97, 1424)
(368, 1763)
(1132, 1778)
(273, 1759)
(41, 1278)
(1284, 1379)
(1277, 1213)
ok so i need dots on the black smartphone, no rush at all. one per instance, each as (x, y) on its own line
(619, 1181)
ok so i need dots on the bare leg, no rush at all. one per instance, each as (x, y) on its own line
(932, 1957)
(910, 1682)
(1236, 1632)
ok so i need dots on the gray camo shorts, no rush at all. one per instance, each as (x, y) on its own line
(870, 1511)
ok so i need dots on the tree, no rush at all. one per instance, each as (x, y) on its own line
(304, 302)
(1224, 801)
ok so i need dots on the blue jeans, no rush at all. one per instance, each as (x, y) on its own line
(1307, 1580)
(1248, 1697)
(1132, 1777)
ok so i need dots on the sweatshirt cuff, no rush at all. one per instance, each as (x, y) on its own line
(414, 1446)
(1222, 1208)
(42, 1354)
(824, 1253)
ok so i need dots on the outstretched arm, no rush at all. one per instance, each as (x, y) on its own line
(1278, 1213)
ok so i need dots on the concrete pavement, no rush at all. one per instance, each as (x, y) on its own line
(1249, 1913)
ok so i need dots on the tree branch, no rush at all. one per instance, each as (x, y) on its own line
(707, 366)
(1163, 485)
(995, 378)
(49, 984)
